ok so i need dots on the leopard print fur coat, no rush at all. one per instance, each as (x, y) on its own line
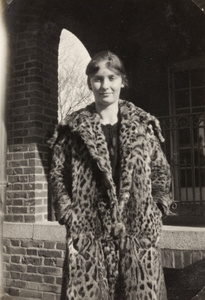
(112, 242)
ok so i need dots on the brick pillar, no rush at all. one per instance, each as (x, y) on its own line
(32, 110)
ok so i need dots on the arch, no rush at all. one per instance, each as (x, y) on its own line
(73, 92)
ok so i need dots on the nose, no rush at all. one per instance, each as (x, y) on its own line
(105, 84)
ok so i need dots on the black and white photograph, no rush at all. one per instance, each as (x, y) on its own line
(102, 149)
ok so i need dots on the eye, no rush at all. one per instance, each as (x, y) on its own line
(96, 79)
(112, 77)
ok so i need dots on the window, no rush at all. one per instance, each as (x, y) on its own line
(184, 130)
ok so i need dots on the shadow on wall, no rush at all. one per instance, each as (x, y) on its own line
(186, 283)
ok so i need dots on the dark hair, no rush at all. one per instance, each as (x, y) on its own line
(113, 62)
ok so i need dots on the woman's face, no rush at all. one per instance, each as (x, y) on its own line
(106, 86)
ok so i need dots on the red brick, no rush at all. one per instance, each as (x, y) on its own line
(49, 245)
(13, 292)
(49, 279)
(18, 96)
(31, 269)
(19, 80)
(31, 285)
(178, 257)
(41, 194)
(29, 170)
(32, 94)
(30, 294)
(19, 210)
(167, 258)
(25, 243)
(17, 186)
(20, 194)
(21, 59)
(18, 218)
(50, 288)
(14, 164)
(16, 283)
(25, 51)
(50, 271)
(29, 219)
(31, 252)
(6, 242)
(8, 218)
(15, 250)
(61, 246)
(30, 155)
(6, 257)
(39, 186)
(16, 148)
(15, 259)
(33, 64)
(38, 177)
(19, 118)
(50, 262)
(6, 274)
(30, 79)
(29, 260)
(60, 262)
(15, 243)
(12, 179)
(19, 88)
(17, 268)
(15, 275)
(19, 66)
(17, 171)
(28, 186)
(22, 178)
(18, 155)
(36, 244)
(187, 258)
(40, 218)
(18, 202)
(32, 277)
(59, 280)
(30, 202)
(50, 253)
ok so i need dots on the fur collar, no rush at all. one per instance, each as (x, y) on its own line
(135, 123)
(82, 118)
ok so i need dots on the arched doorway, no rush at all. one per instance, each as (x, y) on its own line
(73, 92)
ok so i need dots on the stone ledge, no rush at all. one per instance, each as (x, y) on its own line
(47, 231)
(182, 238)
(173, 237)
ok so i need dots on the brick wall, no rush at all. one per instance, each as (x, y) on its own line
(179, 259)
(32, 109)
(183, 257)
(184, 273)
(33, 269)
(33, 260)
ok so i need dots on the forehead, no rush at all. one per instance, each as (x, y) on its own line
(105, 70)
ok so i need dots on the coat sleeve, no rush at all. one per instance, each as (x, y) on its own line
(60, 179)
(160, 177)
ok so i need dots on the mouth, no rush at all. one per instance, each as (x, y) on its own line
(105, 94)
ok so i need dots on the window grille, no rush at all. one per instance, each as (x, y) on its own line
(184, 130)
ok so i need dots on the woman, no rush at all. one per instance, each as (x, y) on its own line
(111, 186)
